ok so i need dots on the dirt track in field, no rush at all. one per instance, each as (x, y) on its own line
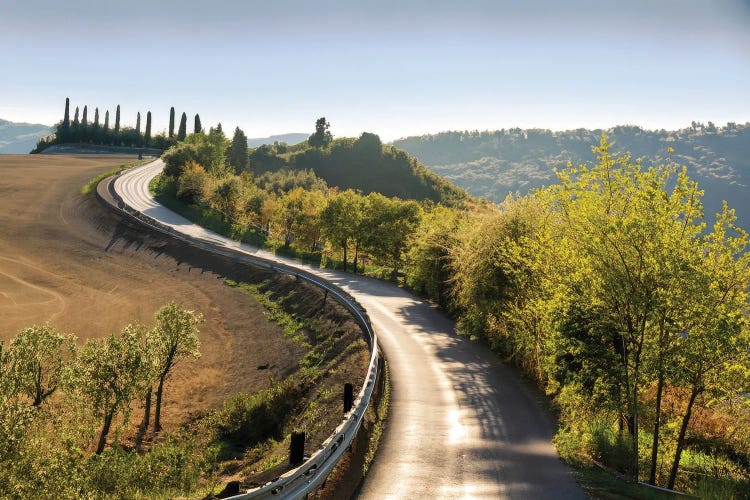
(66, 260)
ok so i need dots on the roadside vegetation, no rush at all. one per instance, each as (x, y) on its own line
(608, 289)
(85, 420)
(91, 185)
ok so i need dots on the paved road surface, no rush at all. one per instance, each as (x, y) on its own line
(461, 425)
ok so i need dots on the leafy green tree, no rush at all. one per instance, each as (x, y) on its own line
(138, 124)
(85, 120)
(322, 136)
(96, 117)
(229, 196)
(428, 268)
(106, 120)
(341, 221)
(38, 356)
(174, 338)
(171, 122)
(148, 127)
(197, 129)
(194, 185)
(176, 157)
(713, 354)
(182, 131)
(75, 117)
(388, 225)
(238, 153)
(117, 119)
(112, 374)
(16, 415)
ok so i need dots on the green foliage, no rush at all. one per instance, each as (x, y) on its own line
(493, 164)
(322, 136)
(238, 151)
(182, 131)
(363, 164)
(171, 122)
(36, 358)
(285, 180)
(246, 419)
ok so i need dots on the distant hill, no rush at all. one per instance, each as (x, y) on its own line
(20, 138)
(494, 163)
(363, 164)
(290, 139)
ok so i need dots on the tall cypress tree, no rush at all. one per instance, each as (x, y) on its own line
(117, 119)
(182, 132)
(106, 120)
(197, 129)
(85, 120)
(171, 122)
(66, 117)
(75, 118)
(238, 151)
(138, 124)
(96, 117)
(148, 126)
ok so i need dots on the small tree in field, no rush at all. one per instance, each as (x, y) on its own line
(197, 125)
(112, 374)
(37, 357)
(175, 337)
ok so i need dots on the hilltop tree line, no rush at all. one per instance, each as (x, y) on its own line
(493, 164)
(99, 131)
(607, 288)
(54, 395)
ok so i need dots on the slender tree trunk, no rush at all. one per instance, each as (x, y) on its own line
(356, 256)
(157, 411)
(681, 437)
(105, 431)
(345, 257)
(635, 420)
(146, 419)
(657, 425)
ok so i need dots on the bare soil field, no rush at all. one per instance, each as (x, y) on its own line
(66, 260)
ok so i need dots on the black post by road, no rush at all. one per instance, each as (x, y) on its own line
(297, 448)
(348, 397)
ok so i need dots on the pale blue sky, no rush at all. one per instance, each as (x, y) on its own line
(395, 68)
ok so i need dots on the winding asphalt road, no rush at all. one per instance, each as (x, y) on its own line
(461, 423)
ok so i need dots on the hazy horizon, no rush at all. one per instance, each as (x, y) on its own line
(393, 69)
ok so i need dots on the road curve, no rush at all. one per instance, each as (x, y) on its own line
(461, 424)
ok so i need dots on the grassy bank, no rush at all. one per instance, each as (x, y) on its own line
(91, 185)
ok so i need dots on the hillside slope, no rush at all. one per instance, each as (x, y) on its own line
(20, 138)
(493, 164)
(363, 164)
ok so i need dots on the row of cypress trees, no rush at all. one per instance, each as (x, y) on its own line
(81, 130)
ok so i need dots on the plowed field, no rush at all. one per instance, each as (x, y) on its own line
(66, 260)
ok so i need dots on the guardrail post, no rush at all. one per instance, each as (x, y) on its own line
(297, 448)
(348, 397)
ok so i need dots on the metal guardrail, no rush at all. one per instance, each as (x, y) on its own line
(309, 476)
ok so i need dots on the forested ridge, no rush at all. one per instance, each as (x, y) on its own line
(492, 164)
(610, 288)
